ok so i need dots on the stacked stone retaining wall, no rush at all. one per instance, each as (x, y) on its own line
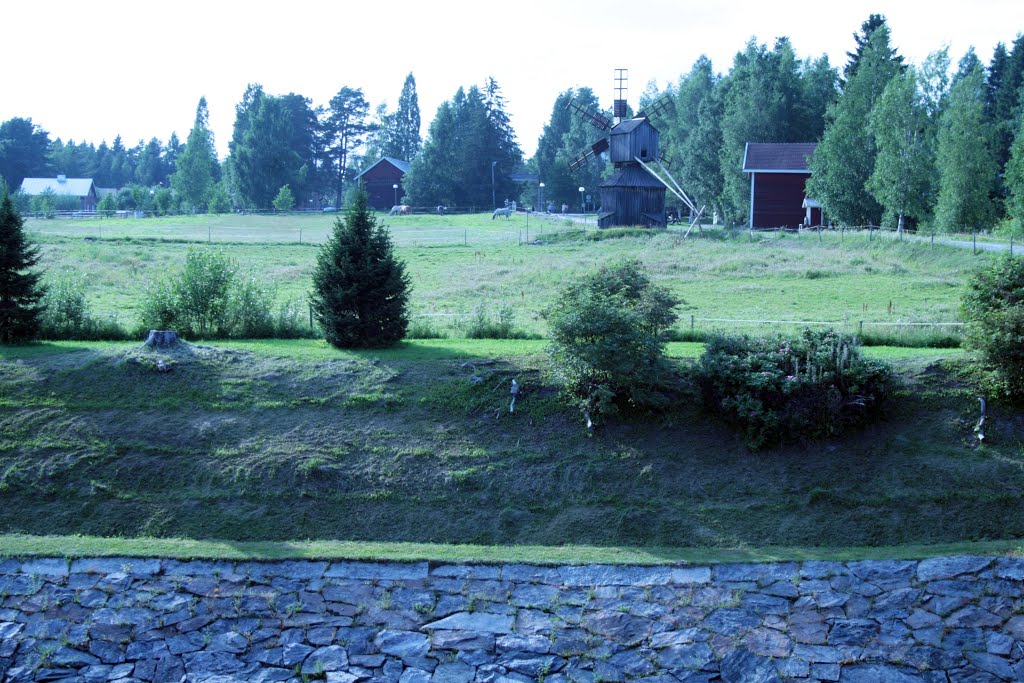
(945, 619)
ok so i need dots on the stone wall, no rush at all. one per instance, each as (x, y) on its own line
(952, 619)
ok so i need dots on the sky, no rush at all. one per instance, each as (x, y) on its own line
(93, 70)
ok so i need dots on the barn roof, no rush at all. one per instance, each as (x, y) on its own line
(402, 166)
(75, 187)
(778, 157)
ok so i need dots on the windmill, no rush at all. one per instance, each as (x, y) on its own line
(635, 193)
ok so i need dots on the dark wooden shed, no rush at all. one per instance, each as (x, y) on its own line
(380, 179)
(631, 196)
(778, 175)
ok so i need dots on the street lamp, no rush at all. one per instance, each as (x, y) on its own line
(395, 188)
(494, 199)
(583, 207)
(540, 197)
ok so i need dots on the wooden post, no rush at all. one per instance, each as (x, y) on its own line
(933, 238)
(860, 329)
(692, 320)
(209, 233)
(300, 234)
(819, 234)
(1011, 245)
(465, 237)
(311, 316)
(974, 239)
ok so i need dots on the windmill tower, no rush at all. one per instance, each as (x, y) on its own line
(635, 193)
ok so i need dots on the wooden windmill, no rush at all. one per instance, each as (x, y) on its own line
(635, 193)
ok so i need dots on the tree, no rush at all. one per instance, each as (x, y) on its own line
(20, 291)
(902, 171)
(470, 136)
(23, 151)
(346, 129)
(966, 158)
(608, 340)
(194, 176)
(564, 137)
(407, 140)
(845, 157)
(272, 146)
(863, 41)
(285, 200)
(360, 291)
(1015, 180)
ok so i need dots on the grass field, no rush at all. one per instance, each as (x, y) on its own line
(840, 279)
(275, 441)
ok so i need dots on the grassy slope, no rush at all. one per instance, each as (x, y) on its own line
(787, 279)
(298, 441)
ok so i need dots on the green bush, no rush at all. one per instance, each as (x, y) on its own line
(608, 332)
(993, 308)
(781, 389)
(497, 325)
(67, 314)
(209, 299)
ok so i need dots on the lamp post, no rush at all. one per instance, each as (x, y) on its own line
(583, 207)
(494, 199)
(395, 188)
(540, 197)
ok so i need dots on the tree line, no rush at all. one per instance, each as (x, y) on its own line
(901, 145)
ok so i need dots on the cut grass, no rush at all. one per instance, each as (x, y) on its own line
(273, 441)
(14, 545)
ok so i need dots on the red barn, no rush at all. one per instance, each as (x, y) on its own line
(380, 180)
(778, 173)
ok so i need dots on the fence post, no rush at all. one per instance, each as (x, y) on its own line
(974, 239)
(819, 234)
(692, 320)
(465, 237)
(1011, 245)
(311, 316)
(933, 238)
(300, 234)
(842, 233)
(869, 232)
(860, 329)
(209, 234)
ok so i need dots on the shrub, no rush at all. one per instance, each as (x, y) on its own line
(360, 289)
(608, 333)
(67, 314)
(497, 325)
(993, 308)
(208, 299)
(285, 200)
(788, 389)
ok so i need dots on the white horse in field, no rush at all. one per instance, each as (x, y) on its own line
(506, 212)
(399, 210)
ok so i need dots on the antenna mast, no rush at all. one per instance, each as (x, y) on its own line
(621, 88)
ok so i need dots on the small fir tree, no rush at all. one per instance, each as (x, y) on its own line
(360, 289)
(20, 291)
(285, 200)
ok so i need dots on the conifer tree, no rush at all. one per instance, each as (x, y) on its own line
(20, 291)
(360, 289)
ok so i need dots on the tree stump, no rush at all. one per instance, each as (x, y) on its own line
(161, 339)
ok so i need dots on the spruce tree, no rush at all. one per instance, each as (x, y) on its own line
(20, 292)
(360, 289)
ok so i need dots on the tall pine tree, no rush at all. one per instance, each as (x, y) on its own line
(20, 291)
(360, 291)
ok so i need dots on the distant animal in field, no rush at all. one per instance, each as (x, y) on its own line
(442, 210)
(506, 212)
(399, 210)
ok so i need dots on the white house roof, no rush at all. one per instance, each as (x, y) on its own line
(76, 187)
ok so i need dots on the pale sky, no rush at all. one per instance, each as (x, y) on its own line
(93, 70)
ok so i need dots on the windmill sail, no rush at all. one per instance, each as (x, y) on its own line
(584, 158)
(594, 118)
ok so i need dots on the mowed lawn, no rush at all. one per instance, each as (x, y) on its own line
(251, 441)
(768, 277)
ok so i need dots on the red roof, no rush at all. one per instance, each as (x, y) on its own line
(780, 157)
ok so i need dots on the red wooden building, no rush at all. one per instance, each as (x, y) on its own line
(778, 173)
(380, 180)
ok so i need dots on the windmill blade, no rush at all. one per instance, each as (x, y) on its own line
(659, 106)
(581, 160)
(663, 158)
(592, 117)
(600, 146)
